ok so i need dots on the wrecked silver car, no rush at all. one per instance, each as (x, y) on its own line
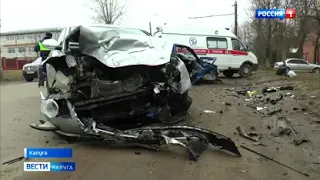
(121, 85)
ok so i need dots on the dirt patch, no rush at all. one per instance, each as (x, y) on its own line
(286, 119)
(11, 75)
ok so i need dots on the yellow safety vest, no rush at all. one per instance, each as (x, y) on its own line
(42, 48)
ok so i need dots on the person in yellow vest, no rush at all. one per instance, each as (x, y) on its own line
(44, 53)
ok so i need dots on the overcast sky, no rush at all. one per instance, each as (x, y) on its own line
(31, 14)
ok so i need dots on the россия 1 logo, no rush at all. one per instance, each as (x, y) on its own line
(276, 13)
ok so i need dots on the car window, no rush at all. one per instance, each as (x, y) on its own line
(301, 62)
(186, 53)
(217, 43)
(237, 45)
(297, 61)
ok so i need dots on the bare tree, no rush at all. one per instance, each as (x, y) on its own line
(272, 39)
(108, 11)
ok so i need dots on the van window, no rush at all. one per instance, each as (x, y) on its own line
(237, 45)
(217, 43)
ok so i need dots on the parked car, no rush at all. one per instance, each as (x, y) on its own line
(299, 65)
(30, 70)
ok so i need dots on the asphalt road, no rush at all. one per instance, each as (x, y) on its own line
(20, 107)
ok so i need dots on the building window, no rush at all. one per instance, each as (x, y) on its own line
(217, 43)
(30, 36)
(11, 50)
(9, 38)
(20, 37)
(31, 49)
(21, 49)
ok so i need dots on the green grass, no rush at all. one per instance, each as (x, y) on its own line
(12, 75)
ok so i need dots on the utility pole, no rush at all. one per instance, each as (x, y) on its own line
(150, 28)
(236, 18)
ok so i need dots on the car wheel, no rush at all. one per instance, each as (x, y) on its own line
(245, 70)
(316, 70)
(28, 79)
(228, 74)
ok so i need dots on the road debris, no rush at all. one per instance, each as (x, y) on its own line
(269, 90)
(282, 128)
(251, 93)
(298, 138)
(261, 108)
(258, 144)
(316, 160)
(291, 74)
(254, 137)
(286, 88)
(209, 111)
(273, 112)
(14, 160)
(271, 159)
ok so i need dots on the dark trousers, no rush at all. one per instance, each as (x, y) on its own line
(42, 72)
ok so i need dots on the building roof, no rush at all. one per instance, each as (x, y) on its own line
(31, 31)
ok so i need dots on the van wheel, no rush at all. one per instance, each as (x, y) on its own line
(245, 70)
(228, 73)
(316, 70)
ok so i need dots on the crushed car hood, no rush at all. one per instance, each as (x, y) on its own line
(117, 49)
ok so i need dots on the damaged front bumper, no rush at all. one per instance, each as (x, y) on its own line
(195, 140)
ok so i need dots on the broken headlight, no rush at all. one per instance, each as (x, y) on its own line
(71, 61)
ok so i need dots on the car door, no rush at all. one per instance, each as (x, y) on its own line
(292, 64)
(217, 49)
(238, 53)
(307, 67)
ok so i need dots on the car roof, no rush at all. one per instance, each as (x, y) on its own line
(294, 59)
(102, 25)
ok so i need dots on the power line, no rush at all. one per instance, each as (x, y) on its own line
(210, 16)
(235, 17)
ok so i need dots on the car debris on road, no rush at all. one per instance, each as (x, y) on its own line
(271, 159)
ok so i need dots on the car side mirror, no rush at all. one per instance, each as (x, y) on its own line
(248, 48)
(50, 44)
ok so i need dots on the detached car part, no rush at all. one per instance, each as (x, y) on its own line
(199, 68)
(121, 85)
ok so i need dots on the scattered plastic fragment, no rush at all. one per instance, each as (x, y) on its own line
(245, 135)
(209, 111)
(291, 74)
(261, 108)
(251, 93)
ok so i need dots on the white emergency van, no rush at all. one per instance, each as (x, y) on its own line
(232, 56)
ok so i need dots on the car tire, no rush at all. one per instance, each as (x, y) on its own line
(316, 70)
(228, 73)
(28, 79)
(245, 70)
